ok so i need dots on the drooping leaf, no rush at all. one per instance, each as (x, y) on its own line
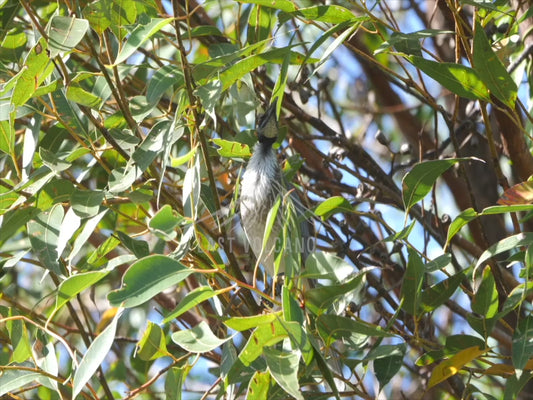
(491, 70)
(44, 233)
(523, 342)
(94, 356)
(485, 300)
(412, 283)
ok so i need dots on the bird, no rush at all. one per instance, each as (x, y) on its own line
(261, 187)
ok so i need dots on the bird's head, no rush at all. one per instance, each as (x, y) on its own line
(267, 125)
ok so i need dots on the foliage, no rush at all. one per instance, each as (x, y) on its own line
(124, 128)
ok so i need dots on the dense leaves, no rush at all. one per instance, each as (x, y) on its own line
(405, 146)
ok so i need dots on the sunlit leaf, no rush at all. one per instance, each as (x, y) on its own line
(64, 33)
(152, 344)
(199, 339)
(457, 78)
(452, 366)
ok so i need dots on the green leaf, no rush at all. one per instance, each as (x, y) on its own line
(485, 301)
(325, 265)
(418, 182)
(259, 386)
(237, 71)
(139, 36)
(412, 283)
(320, 298)
(138, 247)
(164, 223)
(470, 214)
(64, 33)
(34, 72)
(152, 344)
(455, 343)
(340, 39)
(74, 285)
(209, 95)
(333, 14)
(283, 367)
(354, 333)
(52, 161)
(459, 79)
(163, 80)
(86, 203)
(401, 235)
(79, 95)
(85, 233)
(192, 299)
(264, 335)
(175, 381)
(506, 244)
(491, 70)
(331, 206)
(199, 339)
(71, 114)
(13, 379)
(14, 220)
(43, 232)
(7, 136)
(146, 278)
(283, 5)
(436, 295)
(94, 356)
(244, 323)
(523, 343)
(113, 14)
(515, 298)
(260, 24)
(409, 43)
(388, 359)
(461, 220)
(230, 149)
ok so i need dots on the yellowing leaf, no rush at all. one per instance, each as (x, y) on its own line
(107, 317)
(450, 367)
(521, 193)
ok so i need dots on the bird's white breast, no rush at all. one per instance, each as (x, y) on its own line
(261, 184)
